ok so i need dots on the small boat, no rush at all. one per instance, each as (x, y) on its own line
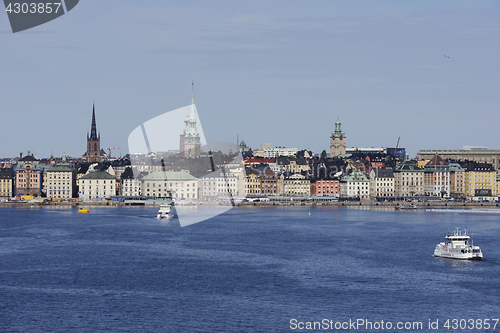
(165, 212)
(457, 246)
(405, 207)
(83, 210)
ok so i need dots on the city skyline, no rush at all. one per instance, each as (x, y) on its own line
(423, 71)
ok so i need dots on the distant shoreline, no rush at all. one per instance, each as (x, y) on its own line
(419, 205)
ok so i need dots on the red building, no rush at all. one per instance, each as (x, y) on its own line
(325, 187)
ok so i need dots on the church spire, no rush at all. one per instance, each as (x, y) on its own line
(93, 128)
(192, 115)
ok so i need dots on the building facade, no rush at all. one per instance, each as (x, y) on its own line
(176, 184)
(480, 181)
(28, 176)
(355, 185)
(131, 185)
(408, 179)
(437, 177)
(61, 182)
(6, 182)
(381, 183)
(329, 187)
(457, 174)
(296, 185)
(97, 185)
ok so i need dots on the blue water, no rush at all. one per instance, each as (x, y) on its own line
(248, 270)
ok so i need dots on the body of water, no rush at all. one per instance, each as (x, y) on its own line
(247, 270)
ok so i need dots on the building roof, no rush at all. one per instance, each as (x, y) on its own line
(383, 173)
(406, 166)
(28, 158)
(98, 175)
(455, 167)
(59, 169)
(355, 177)
(169, 175)
(476, 166)
(6, 173)
(436, 161)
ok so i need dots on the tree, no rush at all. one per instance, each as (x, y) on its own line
(323, 154)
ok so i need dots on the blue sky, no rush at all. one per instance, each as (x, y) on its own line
(268, 71)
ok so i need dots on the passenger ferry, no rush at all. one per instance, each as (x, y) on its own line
(165, 212)
(457, 246)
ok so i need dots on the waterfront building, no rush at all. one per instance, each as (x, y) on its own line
(355, 185)
(457, 174)
(381, 183)
(252, 182)
(93, 142)
(177, 184)
(61, 182)
(131, 186)
(325, 186)
(227, 183)
(437, 177)
(498, 183)
(268, 183)
(477, 155)
(408, 179)
(190, 141)
(296, 184)
(480, 181)
(97, 185)
(28, 176)
(208, 186)
(337, 141)
(6, 182)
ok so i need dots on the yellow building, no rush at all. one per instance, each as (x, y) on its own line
(480, 181)
(6, 182)
(296, 185)
(259, 153)
(252, 183)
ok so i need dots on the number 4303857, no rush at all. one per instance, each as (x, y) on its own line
(33, 8)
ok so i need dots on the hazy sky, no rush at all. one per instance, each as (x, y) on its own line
(271, 71)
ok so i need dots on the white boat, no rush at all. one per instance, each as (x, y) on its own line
(405, 207)
(457, 246)
(165, 212)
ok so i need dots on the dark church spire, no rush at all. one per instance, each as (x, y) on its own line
(93, 129)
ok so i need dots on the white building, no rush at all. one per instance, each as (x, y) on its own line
(61, 182)
(177, 184)
(381, 183)
(131, 186)
(97, 185)
(355, 185)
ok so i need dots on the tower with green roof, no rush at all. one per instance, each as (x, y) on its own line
(337, 140)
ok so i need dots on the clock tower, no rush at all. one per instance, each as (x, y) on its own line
(337, 141)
